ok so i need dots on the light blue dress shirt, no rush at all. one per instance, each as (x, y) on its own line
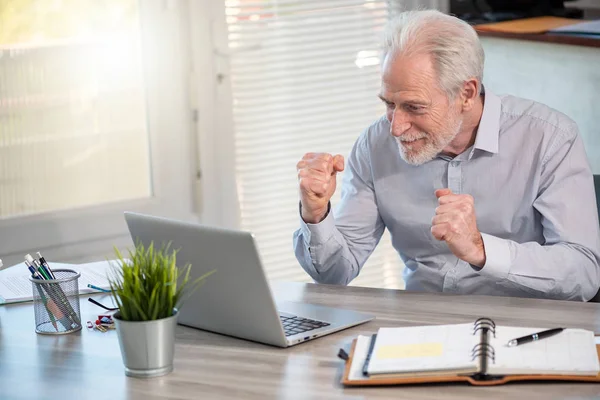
(534, 202)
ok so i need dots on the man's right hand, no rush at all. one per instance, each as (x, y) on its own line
(317, 179)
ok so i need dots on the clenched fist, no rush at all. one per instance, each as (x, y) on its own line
(455, 223)
(317, 179)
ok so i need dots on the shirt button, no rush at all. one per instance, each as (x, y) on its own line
(454, 164)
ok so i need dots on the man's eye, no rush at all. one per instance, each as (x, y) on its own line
(389, 105)
(413, 108)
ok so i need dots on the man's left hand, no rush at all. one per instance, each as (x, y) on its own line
(455, 223)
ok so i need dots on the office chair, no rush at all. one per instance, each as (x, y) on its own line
(596, 298)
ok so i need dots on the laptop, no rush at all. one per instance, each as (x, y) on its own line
(236, 300)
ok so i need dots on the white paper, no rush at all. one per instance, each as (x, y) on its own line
(15, 285)
(571, 352)
(421, 349)
(358, 358)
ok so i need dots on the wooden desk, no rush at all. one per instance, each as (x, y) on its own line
(208, 366)
(545, 38)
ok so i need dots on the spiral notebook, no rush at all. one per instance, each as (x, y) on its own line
(475, 352)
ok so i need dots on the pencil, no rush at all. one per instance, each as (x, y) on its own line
(35, 275)
(50, 313)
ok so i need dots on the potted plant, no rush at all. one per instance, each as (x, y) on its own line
(148, 289)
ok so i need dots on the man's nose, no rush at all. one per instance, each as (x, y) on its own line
(399, 123)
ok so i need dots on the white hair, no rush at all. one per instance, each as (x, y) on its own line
(454, 45)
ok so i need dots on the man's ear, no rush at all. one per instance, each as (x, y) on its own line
(469, 94)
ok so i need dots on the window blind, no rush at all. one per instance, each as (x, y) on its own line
(305, 78)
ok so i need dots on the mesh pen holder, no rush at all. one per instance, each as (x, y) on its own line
(56, 303)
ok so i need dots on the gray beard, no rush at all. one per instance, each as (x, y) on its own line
(430, 149)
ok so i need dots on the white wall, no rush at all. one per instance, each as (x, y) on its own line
(564, 77)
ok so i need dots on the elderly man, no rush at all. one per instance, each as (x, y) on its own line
(481, 194)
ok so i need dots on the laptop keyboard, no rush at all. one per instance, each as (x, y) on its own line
(293, 325)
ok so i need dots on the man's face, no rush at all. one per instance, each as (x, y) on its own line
(422, 119)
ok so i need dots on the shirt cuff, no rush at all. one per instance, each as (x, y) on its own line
(317, 234)
(497, 257)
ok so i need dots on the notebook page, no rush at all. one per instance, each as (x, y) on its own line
(424, 348)
(571, 352)
(358, 358)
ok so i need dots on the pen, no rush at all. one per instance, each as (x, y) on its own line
(97, 288)
(534, 336)
(39, 266)
(42, 263)
(45, 264)
(365, 369)
(56, 294)
(35, 275)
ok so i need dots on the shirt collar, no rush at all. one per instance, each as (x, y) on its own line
(489, 125)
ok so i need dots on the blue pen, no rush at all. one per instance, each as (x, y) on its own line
(34, 273)
(98, 288)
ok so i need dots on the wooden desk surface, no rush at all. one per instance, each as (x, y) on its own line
(545, 37)
(88, 364)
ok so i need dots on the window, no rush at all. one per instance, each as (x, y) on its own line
(72, 108)
(304, 77)
(92, 121)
